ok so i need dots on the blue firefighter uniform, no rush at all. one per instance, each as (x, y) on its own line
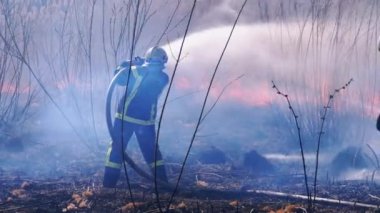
(145, 85)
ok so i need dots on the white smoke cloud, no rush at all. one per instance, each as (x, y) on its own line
(306, 67)
(306, 61)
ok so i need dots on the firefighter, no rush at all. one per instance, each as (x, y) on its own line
(145, 84)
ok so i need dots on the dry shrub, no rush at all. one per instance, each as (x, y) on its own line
(75, 196)
(202, 184)
(71, 207)
(80, 201)
(25, 185)
(129, 206)
(83, 204)
(234, 203)
(88, 193)
(18, 193)
(181, 205)
(291, 209)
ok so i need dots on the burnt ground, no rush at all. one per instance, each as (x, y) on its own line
(204, 188)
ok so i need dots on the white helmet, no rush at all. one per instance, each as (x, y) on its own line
(156, 55)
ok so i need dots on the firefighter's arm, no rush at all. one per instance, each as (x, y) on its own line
(123, 65)
(122, 73)
(137, 61)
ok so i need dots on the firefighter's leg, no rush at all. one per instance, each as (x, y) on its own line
(115, 152)
(146, 136)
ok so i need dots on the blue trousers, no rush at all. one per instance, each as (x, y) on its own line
(122, 133)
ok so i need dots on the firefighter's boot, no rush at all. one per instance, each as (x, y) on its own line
(111, 176)
(161, 173)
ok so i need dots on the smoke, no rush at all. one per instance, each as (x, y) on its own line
(249, 113)
(308, 57)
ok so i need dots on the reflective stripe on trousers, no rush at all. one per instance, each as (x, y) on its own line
(134, 120)
(158, 163)
(109, 163)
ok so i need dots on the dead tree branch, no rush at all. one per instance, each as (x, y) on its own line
(295, 116)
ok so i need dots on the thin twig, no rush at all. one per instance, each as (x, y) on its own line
(123, 108)
(169, 22)
(220, 95)
(204, 103)
(166, 99)
(23, 59)
(331, 97)
(299, 140)
(375, 155)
